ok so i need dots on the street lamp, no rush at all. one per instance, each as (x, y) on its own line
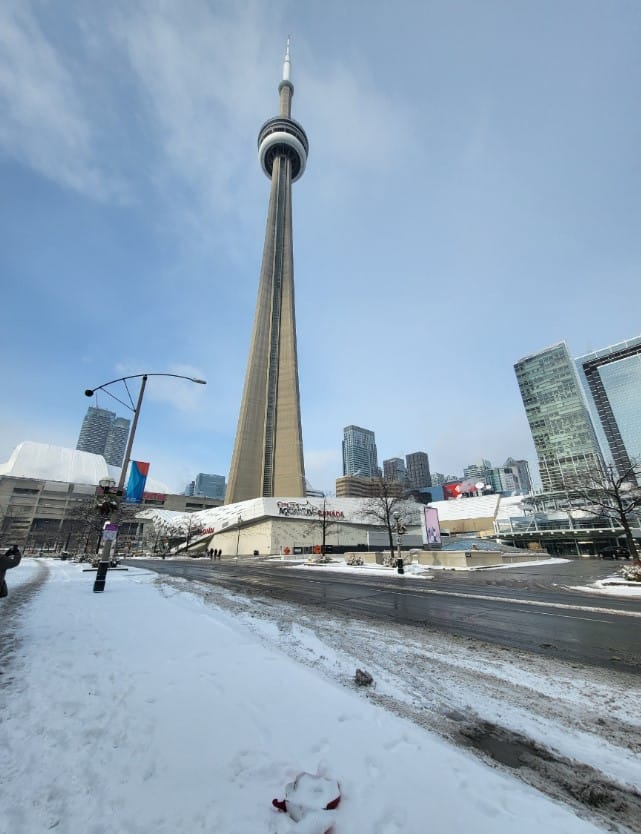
(240, 519)
(99, 584)
(400, 529)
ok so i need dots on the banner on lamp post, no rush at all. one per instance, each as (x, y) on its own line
(137, 481)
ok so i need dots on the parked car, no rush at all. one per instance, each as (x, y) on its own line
(615, 552)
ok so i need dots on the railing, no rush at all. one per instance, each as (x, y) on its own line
(532, 524)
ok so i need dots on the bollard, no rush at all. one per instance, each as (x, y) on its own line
(101, 575)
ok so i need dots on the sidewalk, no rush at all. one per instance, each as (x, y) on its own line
(145, 709)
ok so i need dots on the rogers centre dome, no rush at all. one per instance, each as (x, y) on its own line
(57, 463)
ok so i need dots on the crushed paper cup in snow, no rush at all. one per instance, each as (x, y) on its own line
(309, 793)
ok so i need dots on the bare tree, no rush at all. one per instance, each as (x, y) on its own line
(380, 508)
(612, 493)
(323, 523)
(81, 525)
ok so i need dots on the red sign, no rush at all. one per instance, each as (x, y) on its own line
(452, 490)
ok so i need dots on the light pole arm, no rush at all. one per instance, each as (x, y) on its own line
(91, 391)
(130, 441)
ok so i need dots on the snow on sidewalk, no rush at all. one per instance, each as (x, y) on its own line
(145, 709)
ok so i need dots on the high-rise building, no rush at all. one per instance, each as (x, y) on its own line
(268, 452)
(102, 433)
(438, 479)
(117, 441)
(394, 470)
(210, 486)
(513, 478)
(612, 381)
(359, 452)
(562, 431)
(355, 486)
(478, 470)
(95, 430)
(418, 470)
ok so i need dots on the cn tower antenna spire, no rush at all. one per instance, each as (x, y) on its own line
(287, 65)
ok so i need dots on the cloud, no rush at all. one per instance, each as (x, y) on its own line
(199, 76)
(45, 124)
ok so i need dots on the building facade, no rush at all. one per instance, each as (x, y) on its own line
(563, 434)
(38, 513)
(359, 452)
(117, 442)
(268, 452)
(514, 477)
(394, 470)
(418, 470)
(102, 433)
(612, 381)
(479, 471)
(210, 486)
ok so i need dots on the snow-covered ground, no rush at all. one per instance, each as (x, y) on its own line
(167, 706)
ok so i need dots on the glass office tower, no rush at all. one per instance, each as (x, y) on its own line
(563, 435)
(612, 381)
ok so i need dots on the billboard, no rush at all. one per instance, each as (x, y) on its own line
(431, 528)
(137, 481)
(452, 490)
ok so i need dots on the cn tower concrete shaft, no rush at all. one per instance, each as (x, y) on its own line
(268, 452)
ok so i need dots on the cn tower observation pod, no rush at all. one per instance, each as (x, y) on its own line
(281, 136)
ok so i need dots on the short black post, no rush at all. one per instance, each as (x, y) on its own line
(101, 575)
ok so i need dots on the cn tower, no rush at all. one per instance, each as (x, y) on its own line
(268, 452)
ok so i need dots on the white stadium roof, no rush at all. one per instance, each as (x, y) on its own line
(57, 463)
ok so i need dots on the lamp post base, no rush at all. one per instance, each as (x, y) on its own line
(103, 567)
(101, 576)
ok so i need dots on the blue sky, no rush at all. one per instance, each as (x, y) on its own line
(473, 194)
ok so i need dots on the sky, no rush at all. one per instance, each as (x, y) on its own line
(472, 195)
(220, 702)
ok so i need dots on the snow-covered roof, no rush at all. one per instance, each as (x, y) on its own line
(482, 506)
(57, 463)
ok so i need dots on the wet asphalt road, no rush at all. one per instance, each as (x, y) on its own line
(532, 608)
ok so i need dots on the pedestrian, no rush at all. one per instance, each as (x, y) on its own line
(210, 552)
(11, 559)
(220, 553)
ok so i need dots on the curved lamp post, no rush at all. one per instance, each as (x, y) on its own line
(99, 584)
(400, 529)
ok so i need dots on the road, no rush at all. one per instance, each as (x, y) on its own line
(530, 608)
